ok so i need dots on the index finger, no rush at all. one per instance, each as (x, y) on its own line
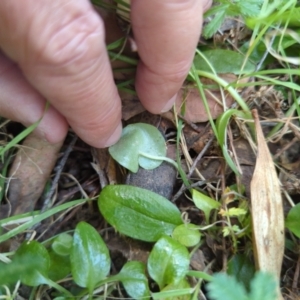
(166, 33)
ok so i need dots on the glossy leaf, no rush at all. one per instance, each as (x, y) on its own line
(60, 266)
(37, 255)
(224, 61)
(62, 244)
(204, 203)
(138, 213)
(168, 262)
(187, 234)
(292, 221)
(90, 261)
(136, 140)
(134, 280)
(182, 285)
(11, 272)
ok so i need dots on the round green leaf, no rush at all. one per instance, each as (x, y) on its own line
(138, 213)
(292, 221)
(39, 259)
(224, 61)
(136, 140)
(90, 261)
(168, 262)
(60, 266)
(62, 244)
(187, 234)
(134, 280)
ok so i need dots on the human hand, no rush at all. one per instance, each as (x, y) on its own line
(55, 50)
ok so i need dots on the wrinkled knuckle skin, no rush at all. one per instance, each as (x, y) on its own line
(73, 42)
(177, 77)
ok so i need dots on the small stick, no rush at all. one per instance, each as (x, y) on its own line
(59, 168)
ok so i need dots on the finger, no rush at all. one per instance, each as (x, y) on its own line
(20, 102)
(166, 33)
(59, 45)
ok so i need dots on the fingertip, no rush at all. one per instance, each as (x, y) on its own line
(166, 33)
(168, 105)
(112, 138)
(157, 92)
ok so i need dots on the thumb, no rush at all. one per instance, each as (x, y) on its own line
(59, 46)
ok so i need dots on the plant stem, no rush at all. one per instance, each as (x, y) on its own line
(163, 158)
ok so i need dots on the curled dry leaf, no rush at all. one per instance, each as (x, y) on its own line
(30, 171)
(266, 210)
(131, 105)
(194, 107)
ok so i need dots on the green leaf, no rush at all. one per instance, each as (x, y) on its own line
(250, 8)
(224, 287)
(233, 212)
(187, 234)
(224, 61)
(116, 44)
(242, 269)
(137, 141)
(11, 272)
(173, 294)
(134, 280)
(263, 286)
(222, 123)
(37, 255)
(212, 27)
(204, 203)
(292, 221)
(20, 136)
(168, 262)
(60, 266)
(62, 244)
(90, 261)
(200, 275)
(176, 290)
(138, 213)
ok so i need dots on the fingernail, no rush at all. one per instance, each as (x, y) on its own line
(114, 137)
(169, 104)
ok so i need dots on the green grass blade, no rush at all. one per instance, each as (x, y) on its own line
(18, 138)
(40, 217)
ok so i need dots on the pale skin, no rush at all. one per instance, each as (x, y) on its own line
(54, 50)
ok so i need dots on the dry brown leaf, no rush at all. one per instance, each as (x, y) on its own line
(30, 171)
(131, 106)
(266, 210)
(194, 108)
